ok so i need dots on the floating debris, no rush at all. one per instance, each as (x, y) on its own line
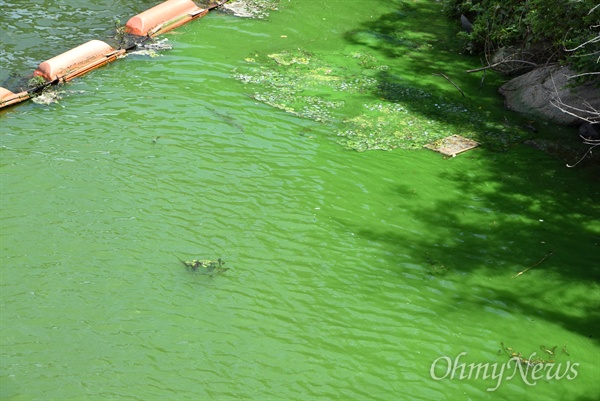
(250, 8)
(533, 358)
(549, 351)
(52, 94)
(48, 96)
(452, 145)
(286, 58)
(152, 48)
(210, 267)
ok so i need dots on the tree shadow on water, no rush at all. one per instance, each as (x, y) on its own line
(497, 214)
(431, 47)
(511, 214)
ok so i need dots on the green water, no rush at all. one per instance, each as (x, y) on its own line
(349, 273)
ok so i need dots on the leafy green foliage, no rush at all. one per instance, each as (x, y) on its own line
(36, 81)
(559, 26)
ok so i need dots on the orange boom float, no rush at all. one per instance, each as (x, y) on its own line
(8, 98)
(77, 61)
(164, 17)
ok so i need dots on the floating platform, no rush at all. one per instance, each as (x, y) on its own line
(452, 145)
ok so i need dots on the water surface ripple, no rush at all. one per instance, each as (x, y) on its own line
(349, 273)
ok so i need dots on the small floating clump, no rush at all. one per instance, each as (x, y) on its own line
(209, 267)
(48, 96)
(548, 355)
(251, 8)
(152, 48)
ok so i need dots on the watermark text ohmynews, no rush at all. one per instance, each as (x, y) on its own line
(445, 367)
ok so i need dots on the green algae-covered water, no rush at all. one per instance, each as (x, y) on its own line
(375, 275)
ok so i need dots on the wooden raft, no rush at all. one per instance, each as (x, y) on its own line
(452, 145)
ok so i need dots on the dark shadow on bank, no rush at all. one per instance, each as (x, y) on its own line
(432, 81)
(432, 61)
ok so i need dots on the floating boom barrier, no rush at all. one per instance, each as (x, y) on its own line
(96, 53)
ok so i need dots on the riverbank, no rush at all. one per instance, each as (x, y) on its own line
(547, 60)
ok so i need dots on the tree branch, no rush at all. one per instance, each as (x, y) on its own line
(487, 67)
(449, 80)
(594, 40)
(583, 157)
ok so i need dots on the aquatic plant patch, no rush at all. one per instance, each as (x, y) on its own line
(298, 83)
(385, 113)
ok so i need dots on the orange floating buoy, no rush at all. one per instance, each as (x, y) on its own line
(77, 61)
(164, 17)
(8, 98)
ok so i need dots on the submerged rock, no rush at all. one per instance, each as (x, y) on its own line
(589, 132)
(544, 91)
(467, 26)
(514, 60)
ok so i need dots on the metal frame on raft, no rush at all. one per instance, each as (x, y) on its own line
(96, 53)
